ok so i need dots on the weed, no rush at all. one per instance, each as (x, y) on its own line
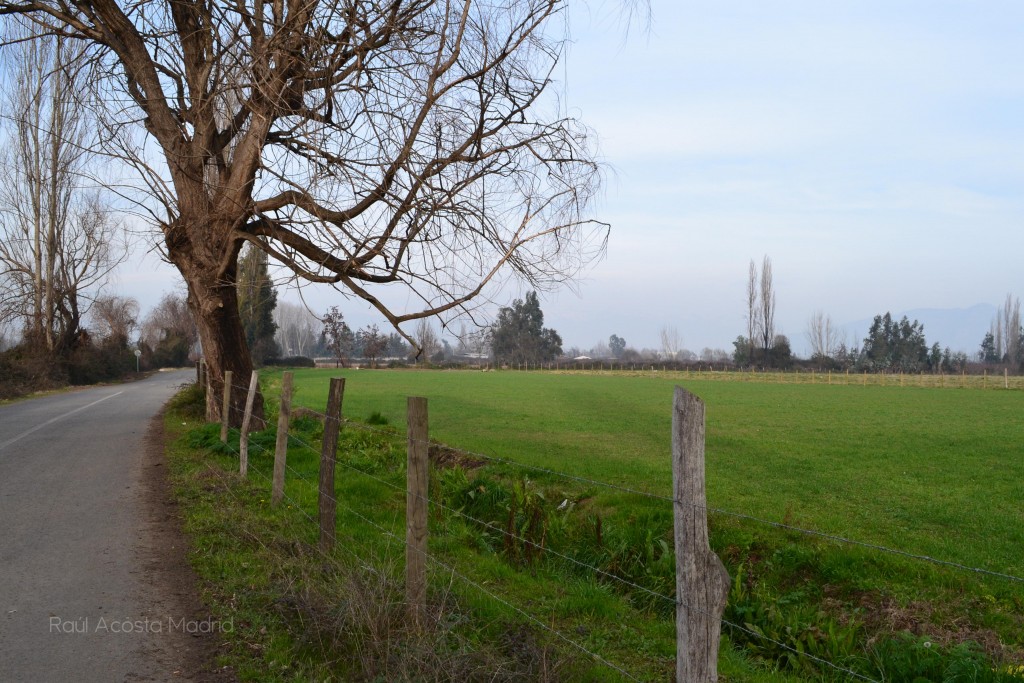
(190, 402)
(918, 659)
(376, 418)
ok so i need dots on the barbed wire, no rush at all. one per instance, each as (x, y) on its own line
(717, 510)
(296, 505)
(815, 658)
(391, 535)
(433, 558)
(533, 619)
(508, 534)
(674, 601)
(865, 544)
(493, 595)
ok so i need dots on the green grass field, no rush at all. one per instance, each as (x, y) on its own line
(927, 471)
(938, 472)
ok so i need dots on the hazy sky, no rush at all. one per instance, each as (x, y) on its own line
(875, 150)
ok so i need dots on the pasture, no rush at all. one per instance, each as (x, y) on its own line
(921, 471)
(930, 471)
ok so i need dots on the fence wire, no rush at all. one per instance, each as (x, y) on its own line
(624, 489)
(717, 510)
(561, 636)
(504, 532)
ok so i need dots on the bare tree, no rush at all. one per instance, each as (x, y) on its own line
(474, 344)
(296, 329)
(822, 335)
(1006, 331)
(115, 318)
(997, 334)
(671, 343)
(1012, 329)
(426, 340)
(753, 311)
(361, 144)
(337, 335)
(766, 298)
(58, 243)
(170, 319)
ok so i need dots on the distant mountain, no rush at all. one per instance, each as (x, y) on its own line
(961, 329)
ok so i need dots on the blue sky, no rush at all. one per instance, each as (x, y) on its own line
(875, 150)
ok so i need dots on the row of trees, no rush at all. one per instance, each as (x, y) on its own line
(341, 343)
(59, 239)
(890, 346)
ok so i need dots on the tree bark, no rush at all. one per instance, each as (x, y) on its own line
(213, 301)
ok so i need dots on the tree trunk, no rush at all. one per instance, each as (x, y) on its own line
(214, 305)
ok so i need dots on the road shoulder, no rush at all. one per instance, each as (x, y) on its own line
(168, 576)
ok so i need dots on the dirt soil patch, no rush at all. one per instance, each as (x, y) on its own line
(444, 456)
(173, 584)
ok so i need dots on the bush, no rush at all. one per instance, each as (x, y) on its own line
(25, 368)
(91, 363)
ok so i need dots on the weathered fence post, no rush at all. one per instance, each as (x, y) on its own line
(208, 385)
(416, 510)
(243, 438)
(1006, 378)
(225, 409)
(281, 447)
(328, 454)
(702, 582)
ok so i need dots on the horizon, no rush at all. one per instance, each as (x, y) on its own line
(872, 151)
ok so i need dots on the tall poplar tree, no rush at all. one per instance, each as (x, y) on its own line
(257, 299)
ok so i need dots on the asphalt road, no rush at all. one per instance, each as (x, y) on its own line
(80, 592)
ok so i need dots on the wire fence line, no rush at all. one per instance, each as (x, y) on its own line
(329, 557)
(508, 534)
(717, 510)
(394, 434)
(598, 571)
(533, 619)
(432, 558)
(560, 635)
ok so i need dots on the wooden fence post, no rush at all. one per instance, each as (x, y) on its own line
(416, 510)
(243, 438)
(702, 582)
(328, 454)
(225, 409)
(1006, 378)
(281, 447)
(209, 390)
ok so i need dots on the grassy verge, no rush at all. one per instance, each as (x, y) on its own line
(300, 615)
(496, 598)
